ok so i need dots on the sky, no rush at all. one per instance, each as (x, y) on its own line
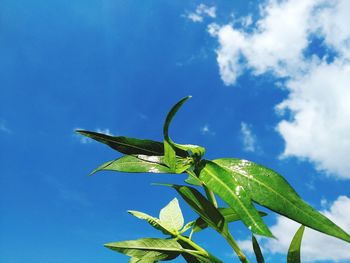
(270, 82)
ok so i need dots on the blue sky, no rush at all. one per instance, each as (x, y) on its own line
(270, 83)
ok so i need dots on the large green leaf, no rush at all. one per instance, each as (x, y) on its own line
(221, 182)
(148, 248)
(155, 222)
(294, 248)
(128, 145)
(228, 213)
(171, 216)
(269, 189)
(132, 164)
(257, 251)
(205, 209)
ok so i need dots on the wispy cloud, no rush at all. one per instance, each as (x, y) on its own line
(248, 138)
(318, 82)
(4, 128)
(205, 130)
(67, 194)
(315, 245)
(201, 12)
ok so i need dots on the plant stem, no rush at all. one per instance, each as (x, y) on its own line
(209, 193)
(229, 238)
(201, 250)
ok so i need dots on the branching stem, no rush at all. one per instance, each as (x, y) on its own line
(201, 250)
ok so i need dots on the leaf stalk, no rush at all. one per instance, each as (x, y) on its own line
(229, 238)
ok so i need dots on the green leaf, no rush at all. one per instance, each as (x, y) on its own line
(155, 249)
(140, 260)
(294, 248)
(182, 164)
(205, 209)
(228, 213)
(128, 145)
(132, 164)
(171, 216)
(221, 182)
(195, 150)
(257, 251)
(154, 222)
(169, 156)
(193, 180)
(269, 189)
(187, 226)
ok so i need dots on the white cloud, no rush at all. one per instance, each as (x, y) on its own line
(248, 138)
(320, 129)
(315, 245)
(66, 194)
(319, 85)
(205, 130)
(104, 131)
(4, 128)
(201, 11)
(85, 140)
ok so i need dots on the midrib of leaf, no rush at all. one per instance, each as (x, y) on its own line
(234, 194)
(132, 146)
(146, 163)
(152, 248)
(135, 162)
(173, 222)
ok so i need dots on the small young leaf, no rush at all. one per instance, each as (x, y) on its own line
(155, 222)
(257, 251)
(171, 216)
(132, 164)
(233, 193)
(187, 226)
(294, 248)
(148, 248)
(269, 189)
(205, 209)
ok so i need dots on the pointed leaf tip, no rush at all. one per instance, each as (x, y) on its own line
(257, 251)
(294, 248)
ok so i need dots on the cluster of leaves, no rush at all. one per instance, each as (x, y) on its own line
(239, 183)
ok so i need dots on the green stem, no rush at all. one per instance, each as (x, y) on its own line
(229, 238)
(201, 250)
